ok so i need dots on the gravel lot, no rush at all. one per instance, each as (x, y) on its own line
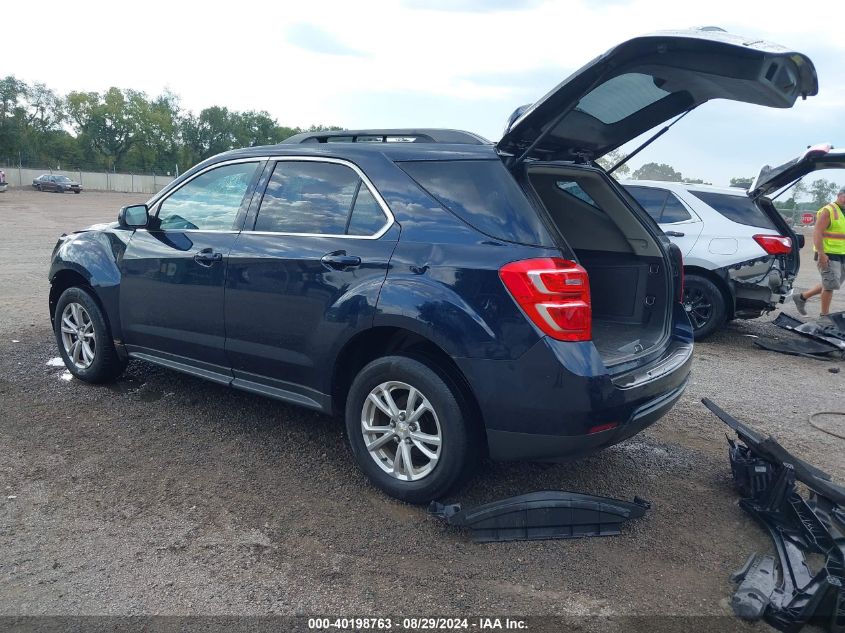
(163, 494)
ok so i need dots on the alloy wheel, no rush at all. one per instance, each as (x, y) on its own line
(78, 337)
(401, 431)
(698, 306)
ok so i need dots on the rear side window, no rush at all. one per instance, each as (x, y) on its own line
(483, 194)
(674, 210)
(740, 209)
(652, 200)
(318, 198)
(662, 205)
(574, 189)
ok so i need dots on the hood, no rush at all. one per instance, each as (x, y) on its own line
(648, 80)
(817, 157)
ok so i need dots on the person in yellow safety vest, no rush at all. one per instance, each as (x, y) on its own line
(829, 244)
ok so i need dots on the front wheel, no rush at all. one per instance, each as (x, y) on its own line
(84, 339)
(705, 305)
(407, 430)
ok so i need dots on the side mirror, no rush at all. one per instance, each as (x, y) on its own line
(135, 216)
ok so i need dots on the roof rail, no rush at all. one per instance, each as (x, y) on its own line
(401, 135)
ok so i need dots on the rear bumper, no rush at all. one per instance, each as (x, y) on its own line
(761, 292)
(543, 405)
(514, 446)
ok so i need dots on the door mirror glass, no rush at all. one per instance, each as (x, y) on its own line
(134, 216)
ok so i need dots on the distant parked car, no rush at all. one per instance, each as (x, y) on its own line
(57, 183)
(3, 184)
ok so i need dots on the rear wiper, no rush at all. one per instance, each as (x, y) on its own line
(648, 142)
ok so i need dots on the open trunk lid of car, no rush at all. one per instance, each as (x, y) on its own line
(648, 80)
(816, 158)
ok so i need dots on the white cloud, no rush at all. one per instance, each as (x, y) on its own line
(335, 62)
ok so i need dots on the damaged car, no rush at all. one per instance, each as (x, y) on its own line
(448, 297)
(740, 255)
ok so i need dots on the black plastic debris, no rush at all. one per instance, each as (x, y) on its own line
(830, 334)
(788, 592)
(797, 347)
(757, 581)
(542, 515)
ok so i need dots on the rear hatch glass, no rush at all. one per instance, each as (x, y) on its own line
(739, 209)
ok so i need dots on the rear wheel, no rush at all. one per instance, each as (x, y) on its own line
(84, 339)
(38, 187)
(705, 306)
(407, 430)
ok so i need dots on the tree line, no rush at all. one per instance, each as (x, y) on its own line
(121, 129)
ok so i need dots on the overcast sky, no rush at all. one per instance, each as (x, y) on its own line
(407, 63)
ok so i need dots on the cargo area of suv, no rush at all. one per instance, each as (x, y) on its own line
(630, 283)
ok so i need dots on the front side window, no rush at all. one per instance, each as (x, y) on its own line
(320, 198)
(209, 202)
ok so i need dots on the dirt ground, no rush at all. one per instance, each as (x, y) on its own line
(164, 494)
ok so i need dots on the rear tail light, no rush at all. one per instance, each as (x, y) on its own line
(554, 293)
(774, 244)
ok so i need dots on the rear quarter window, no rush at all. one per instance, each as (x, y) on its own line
(483, 194)
(739, 209)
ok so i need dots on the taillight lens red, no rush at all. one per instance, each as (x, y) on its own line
(774, 244)
(554, 293)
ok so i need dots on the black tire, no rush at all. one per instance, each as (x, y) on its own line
(38, 187)
(77, 192)
(106, 365)
(705, 306)
(455, 456)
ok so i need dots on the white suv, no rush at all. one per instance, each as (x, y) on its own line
(740, 255)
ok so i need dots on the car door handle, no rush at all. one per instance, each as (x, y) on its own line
(339, 260)
(673, 233)
(207, 257)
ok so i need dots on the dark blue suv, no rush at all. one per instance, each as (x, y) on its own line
(449, 297)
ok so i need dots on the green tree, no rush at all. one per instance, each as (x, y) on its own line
(655, 171)
(741, 182)
(610, 159)
(122, 129)
(108, 125)
(822, 191)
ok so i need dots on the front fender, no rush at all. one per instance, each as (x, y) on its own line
(95, 256)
